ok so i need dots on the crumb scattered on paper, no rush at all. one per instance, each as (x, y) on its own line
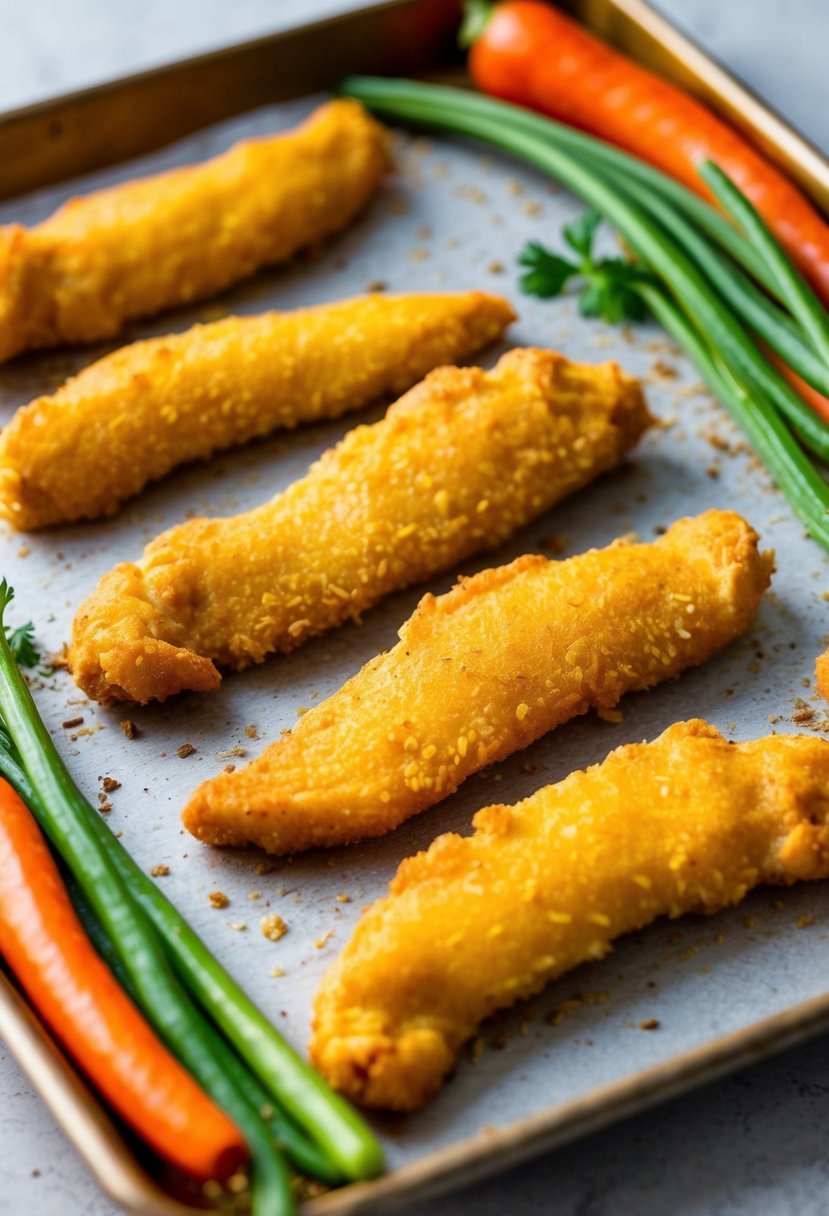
(273, 927)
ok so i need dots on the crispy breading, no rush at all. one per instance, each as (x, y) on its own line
(822, 674)
(485, 670)
(457, 465)
(141, 411)
(688, 823)
(162, 241)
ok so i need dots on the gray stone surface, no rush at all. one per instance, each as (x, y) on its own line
(754, 1144)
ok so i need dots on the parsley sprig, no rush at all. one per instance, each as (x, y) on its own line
(22, 642)
(22, 639)
(609, 289)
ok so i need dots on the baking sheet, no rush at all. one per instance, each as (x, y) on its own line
(452, 217)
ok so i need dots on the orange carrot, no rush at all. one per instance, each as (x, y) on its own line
(531, 54)
(811, 396)
(44, 944)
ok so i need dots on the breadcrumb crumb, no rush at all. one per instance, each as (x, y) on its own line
(273, 927)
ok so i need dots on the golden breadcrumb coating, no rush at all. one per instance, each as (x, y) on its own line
(688, 823)
(822, 674)
(457, 465)
(485, 670)
(136, 414)
(158, 242)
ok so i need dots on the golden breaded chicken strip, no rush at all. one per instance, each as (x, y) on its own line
(822, 675)
(485, 670)
(457, 465)
(688, 823)
(158, 242)
(136, 414)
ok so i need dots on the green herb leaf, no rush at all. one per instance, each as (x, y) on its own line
(22, 643)
(476, 15)
(591, 300)
(613, 290)
(547, 273)
(22, 639)
(579, 235)
(610, 289)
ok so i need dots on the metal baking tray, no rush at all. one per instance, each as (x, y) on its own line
(725, 991)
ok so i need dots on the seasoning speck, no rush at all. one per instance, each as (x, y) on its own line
(185, 750)
(649, 1024)
(129, 729)
(160, 871)
(71, 722)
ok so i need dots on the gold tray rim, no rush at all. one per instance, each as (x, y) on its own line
(59, 130)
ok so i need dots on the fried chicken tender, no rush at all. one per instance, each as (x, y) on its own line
(688, 823)
(485, 670)
(457, 465)
(162, 241)
(136, 414)
(822, 675)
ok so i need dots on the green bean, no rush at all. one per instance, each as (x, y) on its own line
(798, 295)
(326, 1117)
(773, 325)
(300, 1152)
(754, 305)
(754, 413)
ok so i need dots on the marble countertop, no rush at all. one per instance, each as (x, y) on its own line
(751, 1145)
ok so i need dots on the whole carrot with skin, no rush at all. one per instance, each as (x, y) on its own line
(811, 396)
(43, 941)
(530, 53)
